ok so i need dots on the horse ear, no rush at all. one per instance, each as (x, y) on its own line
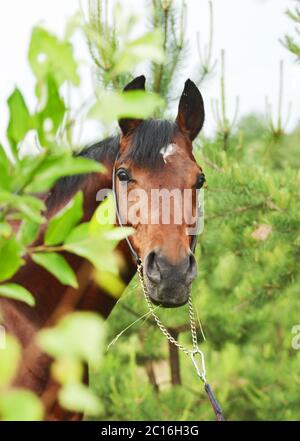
(137, 84)
(129, 124)
(190, 116)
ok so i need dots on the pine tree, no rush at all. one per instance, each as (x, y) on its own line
(168, 22)
(292, 44)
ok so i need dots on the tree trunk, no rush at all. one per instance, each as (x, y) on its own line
(151, 375)
(174, 360)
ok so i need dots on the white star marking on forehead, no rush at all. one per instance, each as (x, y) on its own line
(169, 150)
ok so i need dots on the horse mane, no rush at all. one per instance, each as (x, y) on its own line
(147, 141)
(104, 151)
(144, 150)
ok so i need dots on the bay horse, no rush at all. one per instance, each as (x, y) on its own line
(148, 154)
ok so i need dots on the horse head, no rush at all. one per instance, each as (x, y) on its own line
(154, 171)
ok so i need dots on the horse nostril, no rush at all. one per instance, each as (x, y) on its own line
(192, 269)
(152, 268)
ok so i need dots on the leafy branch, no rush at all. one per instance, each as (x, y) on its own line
(288, 41)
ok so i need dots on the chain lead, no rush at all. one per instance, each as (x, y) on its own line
(201, 372)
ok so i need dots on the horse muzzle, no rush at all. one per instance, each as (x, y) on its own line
(169, 284)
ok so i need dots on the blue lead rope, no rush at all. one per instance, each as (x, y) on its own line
(215, 405)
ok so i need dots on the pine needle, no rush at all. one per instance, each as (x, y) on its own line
(144, 316)
(200, 325)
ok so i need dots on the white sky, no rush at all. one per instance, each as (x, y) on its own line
(249, 31)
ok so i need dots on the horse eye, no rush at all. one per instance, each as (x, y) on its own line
(200, 181)
(123, 175)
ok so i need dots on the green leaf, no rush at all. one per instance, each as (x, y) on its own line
(79, 398)
(103, 222)
(96, 240)
(25, 170)
(59, 165)
(49, 119)
(110, 282)
(78, 234)
(64, 221)
(119, 233)
(95, 249)
(5, 179)
(29, 206)
(20, 121)
(17, 292)
(58, 266)
(30, 210)
(10, 358)
(49, 55)
(28, 232)
(79, 335)
(5, 230)
(10, 258)
(67, 370)
(73, 24)
(112, 106)
(20, 405)
(148, 47)
(104, 216)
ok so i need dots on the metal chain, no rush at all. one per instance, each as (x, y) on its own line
(193, 324)
(192, 353)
